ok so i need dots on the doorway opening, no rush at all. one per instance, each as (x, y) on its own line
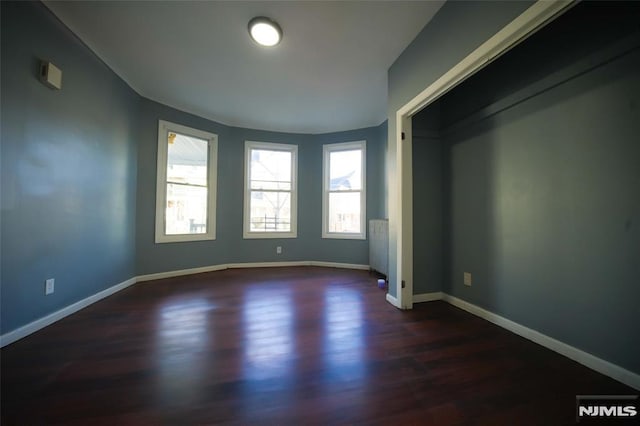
(536, 17)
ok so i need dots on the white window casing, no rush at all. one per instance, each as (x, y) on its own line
(270, 190)
(186, 184)
(344, 190)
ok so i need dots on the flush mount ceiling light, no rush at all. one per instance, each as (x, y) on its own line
(265, 31)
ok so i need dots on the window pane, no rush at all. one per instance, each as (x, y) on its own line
(345, 170)
(344, 212)
(186, 210)
(270, 169)
(270, 211)
(271, 185)
(187, 159)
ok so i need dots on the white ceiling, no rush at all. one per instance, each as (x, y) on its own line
(329, 73)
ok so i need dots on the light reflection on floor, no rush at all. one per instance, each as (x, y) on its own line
(268, 332)
(269, 347)
(344, 340)
(182, 338)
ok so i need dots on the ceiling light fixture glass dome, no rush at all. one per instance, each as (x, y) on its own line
(265, 31)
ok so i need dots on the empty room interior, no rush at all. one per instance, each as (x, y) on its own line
(384, 212)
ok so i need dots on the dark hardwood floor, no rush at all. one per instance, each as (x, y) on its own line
(303, 345)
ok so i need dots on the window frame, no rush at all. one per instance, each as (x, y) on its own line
(164, 127)
(246, 226)
(327, 149)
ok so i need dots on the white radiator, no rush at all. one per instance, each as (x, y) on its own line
(379, 245)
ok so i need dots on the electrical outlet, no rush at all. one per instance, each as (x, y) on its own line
(467, 279)
(279, 250)
(49, 286)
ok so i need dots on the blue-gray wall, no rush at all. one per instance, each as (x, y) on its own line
(229, 246)
(545, 212)
(456, 30)
(428, 202)
(68, 170)
(542, 185)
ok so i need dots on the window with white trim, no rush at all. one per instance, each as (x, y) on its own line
(186, 184)
(344, 195)
(270, 197)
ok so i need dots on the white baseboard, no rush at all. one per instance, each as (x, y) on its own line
(179, 273)
(41, 323)
(266, 264)
(428, 297)
(200, 270)
(340, 265)
(298, 263)
(616, 372)
(391, 299)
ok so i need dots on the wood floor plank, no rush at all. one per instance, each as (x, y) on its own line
(297, 345)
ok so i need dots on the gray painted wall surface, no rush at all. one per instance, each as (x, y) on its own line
(545, 212)
(428, 214)
(428, 201)
(229, 246)
(457, 29)
(380, 210)
(68, 170)
(541, 195)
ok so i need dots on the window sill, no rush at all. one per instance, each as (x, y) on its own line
(184, 238)
(268, 235)
(337, 236)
